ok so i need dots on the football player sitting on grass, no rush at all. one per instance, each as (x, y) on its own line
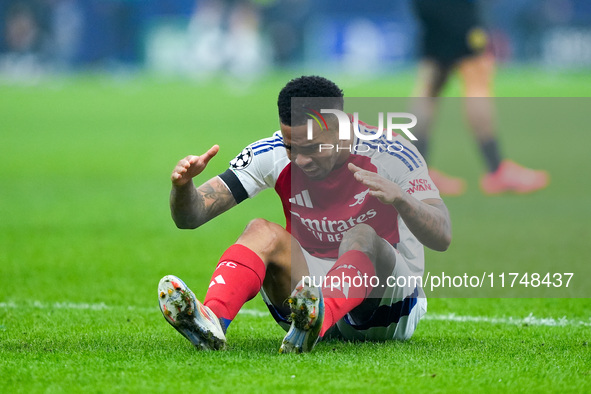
(349, 262)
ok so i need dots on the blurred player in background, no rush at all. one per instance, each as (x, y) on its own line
(348, 215)
(454, 39)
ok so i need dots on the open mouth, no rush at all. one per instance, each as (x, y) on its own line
(313, 171)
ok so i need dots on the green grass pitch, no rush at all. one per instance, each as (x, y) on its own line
(85, 235)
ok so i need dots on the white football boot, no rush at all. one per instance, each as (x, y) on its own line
(188, 316)
(307, 314)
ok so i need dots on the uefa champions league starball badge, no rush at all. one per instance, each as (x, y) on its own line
(242, 160)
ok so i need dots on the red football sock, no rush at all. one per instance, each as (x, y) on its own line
(351, 288)
(237, 279)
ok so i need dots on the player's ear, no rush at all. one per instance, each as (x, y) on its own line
(285, 132)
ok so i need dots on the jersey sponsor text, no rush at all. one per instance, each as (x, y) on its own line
(333, 230)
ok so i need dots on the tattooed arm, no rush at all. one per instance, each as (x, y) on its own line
(190, 206)
(428, 219)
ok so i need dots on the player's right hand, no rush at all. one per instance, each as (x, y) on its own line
(191, 166)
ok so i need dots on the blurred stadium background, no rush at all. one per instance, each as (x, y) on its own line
(246, 38)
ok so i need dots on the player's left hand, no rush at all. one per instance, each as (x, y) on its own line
(381, 188)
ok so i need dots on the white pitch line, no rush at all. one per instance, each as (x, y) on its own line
(528, 320)
(102, 306)
(254, 313)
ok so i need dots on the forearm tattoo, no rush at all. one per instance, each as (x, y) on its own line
(428, 222)
(215, 198)
(191, 207)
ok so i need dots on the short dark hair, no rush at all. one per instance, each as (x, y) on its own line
(308, 86)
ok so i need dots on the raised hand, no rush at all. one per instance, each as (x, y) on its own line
(191, 166)
(381, 188)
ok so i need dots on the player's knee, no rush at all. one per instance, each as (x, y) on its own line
(362, 237)
(261, 227)
(267, 237)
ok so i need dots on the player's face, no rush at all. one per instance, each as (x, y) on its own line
(314, 157)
